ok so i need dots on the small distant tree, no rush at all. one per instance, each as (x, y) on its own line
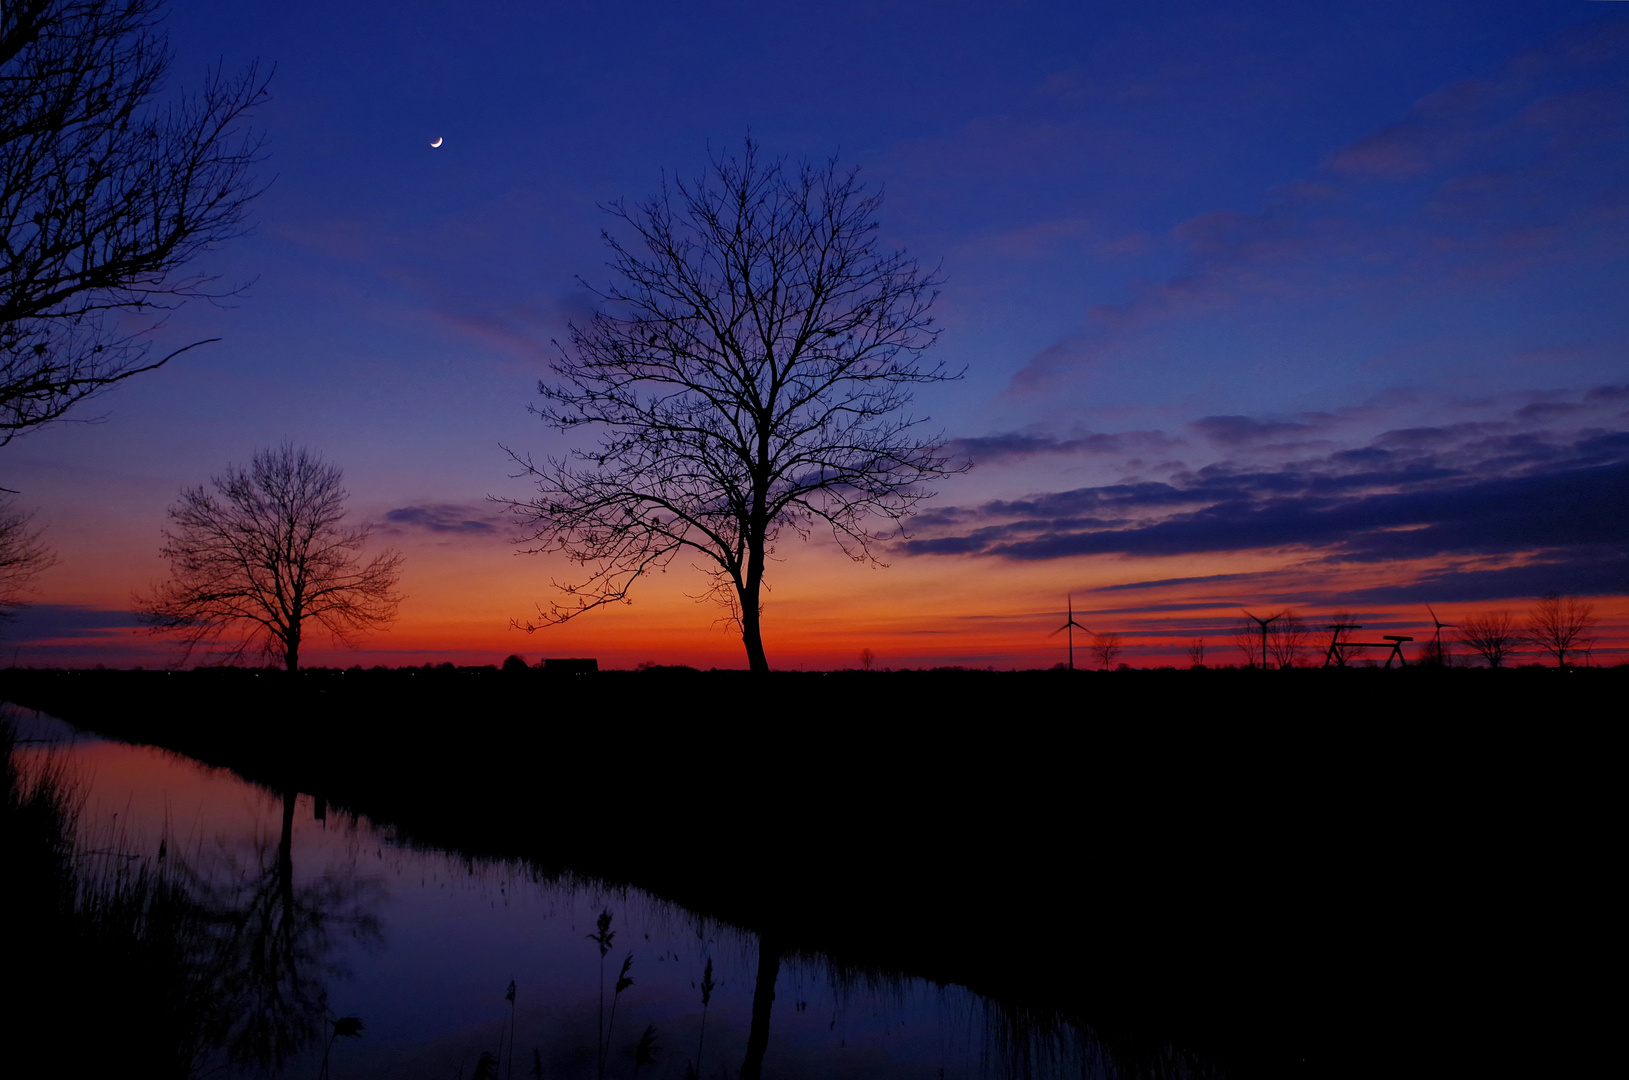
(1434, 652)
(1560, 625)
(1287, 638)
(1106, 647)
(1196, 652)
(262, 554)
(868, 659)
(1247, 636)
(22, 556)
(1492, 635)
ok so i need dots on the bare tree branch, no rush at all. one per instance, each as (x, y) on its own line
(22, 556)
(751, 372)
(105, 196)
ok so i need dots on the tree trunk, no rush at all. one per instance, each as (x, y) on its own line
(752, 632)
(763, 998)
(751, 616)
(291, 652)
(285, 862)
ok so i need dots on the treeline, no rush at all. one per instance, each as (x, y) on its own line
(1556, 627)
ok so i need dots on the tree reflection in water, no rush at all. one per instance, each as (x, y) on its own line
(277, 950)
(182, 965)
(221, 963)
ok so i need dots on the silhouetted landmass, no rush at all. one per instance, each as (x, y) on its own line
(1306, 872)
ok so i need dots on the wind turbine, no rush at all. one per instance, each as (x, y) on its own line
(1263, 622)
(1070, 626)
(1436, 642)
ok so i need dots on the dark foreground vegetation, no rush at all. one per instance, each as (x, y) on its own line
(1284, 873)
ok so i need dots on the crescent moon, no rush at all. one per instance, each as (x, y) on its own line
(437, 142)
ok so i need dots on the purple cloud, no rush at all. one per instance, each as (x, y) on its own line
(442, 518)
(1563, 497)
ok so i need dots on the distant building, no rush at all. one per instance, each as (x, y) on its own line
(570, 666)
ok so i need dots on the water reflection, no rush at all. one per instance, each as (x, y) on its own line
(207, 959)
(248, 932)
(280, 944)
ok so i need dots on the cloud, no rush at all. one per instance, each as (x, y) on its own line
(54, 622)
(1564, 500)
(1594, 571)
(1161, 583)
(442, 518)
(1233, 430)
(992, 448)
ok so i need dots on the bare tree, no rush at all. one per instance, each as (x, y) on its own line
(1491, 634)
(1287, 638)
(749, 374)
(22, 556)
(263, 553)
(1106, 647)
(868, 659)
(1196, 652)
(105, 195)
(1560, 624)
(1247, 635)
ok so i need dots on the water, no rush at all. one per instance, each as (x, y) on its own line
(422, 946)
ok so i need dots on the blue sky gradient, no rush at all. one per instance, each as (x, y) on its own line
(1343, 281)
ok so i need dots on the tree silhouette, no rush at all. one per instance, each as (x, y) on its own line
(749, 373)
(105, 195)
(1287, 638)
(1560, 624)
(263, 553)
(1250, 638)
(1491, 634)
(22, 556)
(1106, 647)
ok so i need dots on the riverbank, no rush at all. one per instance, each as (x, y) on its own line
(1291, 873)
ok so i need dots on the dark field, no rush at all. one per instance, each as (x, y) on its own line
(1281, 873)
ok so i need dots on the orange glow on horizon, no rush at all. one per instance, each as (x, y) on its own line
(823, 609)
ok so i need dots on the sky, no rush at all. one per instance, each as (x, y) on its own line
(1259, 306)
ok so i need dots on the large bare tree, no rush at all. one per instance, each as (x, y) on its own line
(749, 373)
(106, 195)
(254, 560)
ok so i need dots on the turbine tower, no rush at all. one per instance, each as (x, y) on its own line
(1436, 641)
(1263, 622)
(1070, 626)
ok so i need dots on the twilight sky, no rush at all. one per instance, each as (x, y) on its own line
(1260, 304)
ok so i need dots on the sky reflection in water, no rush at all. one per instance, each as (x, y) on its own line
(451, 934)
